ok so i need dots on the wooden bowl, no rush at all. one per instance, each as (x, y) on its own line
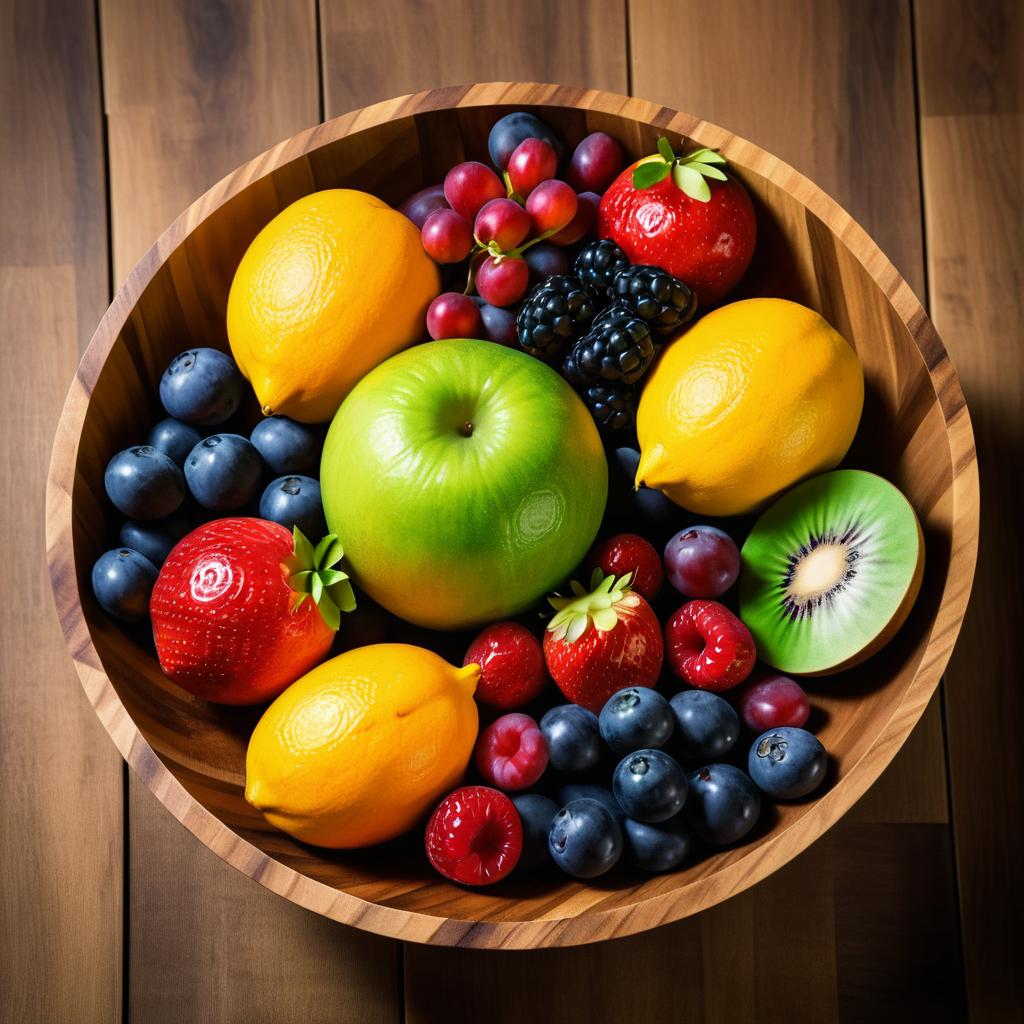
(915, 430)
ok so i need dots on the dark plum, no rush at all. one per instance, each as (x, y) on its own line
(287, 447)
(122, 581)
(508, 131)
(702, 561)
(656, 848)
(223, 472)
(649, 786)
(787, 763)
(536, 813)
(585, 840)
(202, 386)
(153, 541)
(144, 483)
(174, 438)
(723, 804)
(707, 726)
(295, 501)
(634, 718)
(574, 739)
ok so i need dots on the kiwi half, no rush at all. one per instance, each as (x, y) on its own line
(830, 572)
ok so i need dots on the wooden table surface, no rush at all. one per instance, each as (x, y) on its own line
(117, 113)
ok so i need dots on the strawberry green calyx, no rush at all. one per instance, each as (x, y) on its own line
(689, 172)
(313, 575)
(573, 615)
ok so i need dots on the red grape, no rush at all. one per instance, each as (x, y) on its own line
(702, 561)
(596, 163)
(453, 315)
(531, 162)
(447, 236)
(420, 205)
(503, 221)
(552, 205)
(467, 186)
(502, 282)
(586, 214)
(546, 261)
(772, 701)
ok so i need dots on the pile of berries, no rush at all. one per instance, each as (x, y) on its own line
(622, 772)
(190, 469)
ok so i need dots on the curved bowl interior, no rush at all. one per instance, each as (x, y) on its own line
(808, 250)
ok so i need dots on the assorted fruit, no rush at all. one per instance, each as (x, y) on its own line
(602, 678)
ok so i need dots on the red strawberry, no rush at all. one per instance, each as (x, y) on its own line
(600, 641)
(663, 211)
(629, 552)
(231, 619)
(708, 646)
(511, 665)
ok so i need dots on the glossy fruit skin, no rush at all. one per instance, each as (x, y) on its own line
(573, 737)
(362, 747)
(122, 581)
(723, 804)
(596, 162)
(772, 701)
(509, 131)
(629, 552)
(635, 718)
(531, 162)
(588, 791)
(174, 438)
(585, 839)
(517, 510)
(662, 301)
(223, 472)
(702, 561)
(650, 786)
(475, 837)
(332, 286)
(447, 236)
(656, 848)
(787, 763)
(502, 282)
(223, 619)
(616, 350)
(287, 447)
(201, 386)
(552, 205)
(556, 312)
(154, 540)
(144, 483)
(453, 315)
(420, 205)
(708, 647)
(502, 221)
(536, 813)
(582, 221)
(706, 726)
(589, 670)
(597, 265)
(497, 324)
(707, 245)
(295, 501)
(511, 665)
(545, 261)
(753, 397)
(511, 753)
(469, 185)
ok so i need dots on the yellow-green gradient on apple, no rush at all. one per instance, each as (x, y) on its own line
(465, 481)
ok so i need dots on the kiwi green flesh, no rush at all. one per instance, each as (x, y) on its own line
(830, 571)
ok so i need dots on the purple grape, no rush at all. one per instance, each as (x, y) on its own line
(595, 163)
(702, 561)
(545, 261)
(499, 324)
(420, 205)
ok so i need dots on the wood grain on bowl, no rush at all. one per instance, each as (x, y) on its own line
(916, 430)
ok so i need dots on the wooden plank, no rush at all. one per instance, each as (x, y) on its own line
(373, 51)
(971, 86)
(60, 841)
(225, 82)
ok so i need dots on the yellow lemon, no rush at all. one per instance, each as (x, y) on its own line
(358, 750)
(332, 286)
(754, 397)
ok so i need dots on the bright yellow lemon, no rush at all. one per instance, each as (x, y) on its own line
(358, 750)
(754, 397)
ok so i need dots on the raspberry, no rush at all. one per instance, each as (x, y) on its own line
(511, 665)
(708, 647)
(629, 552)
(511, 753)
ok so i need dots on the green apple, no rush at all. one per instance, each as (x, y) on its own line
(465, 480)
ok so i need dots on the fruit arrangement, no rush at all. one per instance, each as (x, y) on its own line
(518, 420)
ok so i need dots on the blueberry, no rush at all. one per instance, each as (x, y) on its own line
(287, 447)
(586, 791)
(573, 737)
(656, 847)
(295, 501)
(585, 839)
(645, 504)
(787, 763)
(174, 438)
(201, 386)
(650, 786)
(122, 580)
(154, 540)
(144, 483)
(511, 129)
(723, 805)
(536, 812)
(223, 472)
(635, 717)
(707, 726)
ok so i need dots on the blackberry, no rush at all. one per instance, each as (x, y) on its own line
(654, 295)
(612, 406)
(620, 348)
(555, 313)
(597, 264)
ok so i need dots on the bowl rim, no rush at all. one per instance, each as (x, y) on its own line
(588, 924)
